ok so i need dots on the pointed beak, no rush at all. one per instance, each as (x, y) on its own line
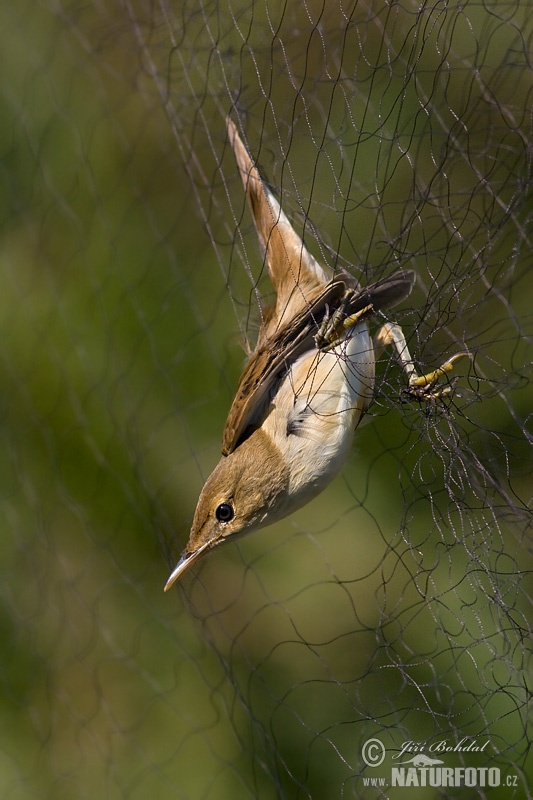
(186, 560)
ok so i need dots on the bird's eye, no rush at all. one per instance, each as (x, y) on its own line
(224, 512)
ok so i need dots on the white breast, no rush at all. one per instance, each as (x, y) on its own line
(317, 408)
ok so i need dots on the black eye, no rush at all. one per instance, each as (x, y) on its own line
(224, 512)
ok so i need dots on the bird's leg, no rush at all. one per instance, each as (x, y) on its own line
(334, 325)
(421, 387)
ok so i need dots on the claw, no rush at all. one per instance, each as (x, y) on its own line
(333, 326)
(422, 387)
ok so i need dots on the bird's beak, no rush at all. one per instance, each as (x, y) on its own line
(187, 559)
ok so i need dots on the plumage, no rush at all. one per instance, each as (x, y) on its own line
(305, 388)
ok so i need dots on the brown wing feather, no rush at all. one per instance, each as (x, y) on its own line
(305, 292)
(273, 356)
(269, 360)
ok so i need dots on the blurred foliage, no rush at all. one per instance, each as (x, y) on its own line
(392, 605)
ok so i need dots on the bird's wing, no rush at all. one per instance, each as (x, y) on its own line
(273, 357)
(384, 293)
(271, 360)
(305, 293)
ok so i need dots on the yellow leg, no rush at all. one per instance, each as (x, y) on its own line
(420, 386)
(333, 327)
(432, 377)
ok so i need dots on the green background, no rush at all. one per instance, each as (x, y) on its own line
(395, 605)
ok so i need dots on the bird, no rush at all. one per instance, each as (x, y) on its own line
(305, 387)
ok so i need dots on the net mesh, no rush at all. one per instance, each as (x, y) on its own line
(395, 607)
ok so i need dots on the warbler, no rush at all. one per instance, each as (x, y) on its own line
(306, 385)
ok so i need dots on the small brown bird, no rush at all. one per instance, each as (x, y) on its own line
(305, 387)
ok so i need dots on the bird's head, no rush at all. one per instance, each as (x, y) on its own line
(247, 490)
